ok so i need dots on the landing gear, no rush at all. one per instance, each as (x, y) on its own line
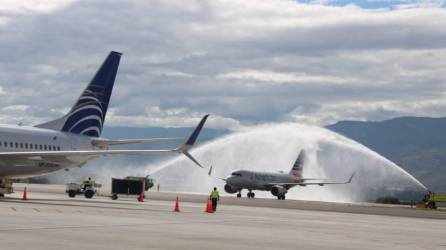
(281, 197)
(251, 194)
(239, 195)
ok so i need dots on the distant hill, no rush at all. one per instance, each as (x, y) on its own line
(417, 144)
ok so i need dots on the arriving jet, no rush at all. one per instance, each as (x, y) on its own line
(73, 139)
(277, 183)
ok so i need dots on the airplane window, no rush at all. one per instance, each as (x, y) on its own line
(44, 147)
(35, 146)
(40, 146)
(54, 148)
(21, 145)
(17, 145)
(58, 148)
(236, 174)
(5, 144)
(11, 144)
(26, 145)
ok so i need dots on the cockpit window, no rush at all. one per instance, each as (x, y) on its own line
(236, 174)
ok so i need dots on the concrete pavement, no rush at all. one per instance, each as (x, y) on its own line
(51, 220)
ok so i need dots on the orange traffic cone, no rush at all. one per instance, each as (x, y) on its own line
(25, 195)
(177, 206)
(209, 208)
(141, 197)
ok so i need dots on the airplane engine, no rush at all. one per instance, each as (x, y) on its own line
(278, 190)
(230, 189)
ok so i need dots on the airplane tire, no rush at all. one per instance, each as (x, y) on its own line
(253, 195)
(239, 195)
(114, 197)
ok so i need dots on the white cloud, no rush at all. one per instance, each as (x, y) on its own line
(277, 77)
(243, 62)
(12, 8)
(172, 118)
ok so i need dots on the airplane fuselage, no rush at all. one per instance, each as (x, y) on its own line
(256, 180)
(28, 139)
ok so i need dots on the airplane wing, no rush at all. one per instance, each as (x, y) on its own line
(210, 174)
(44, 155)
(305, 182)
(106, 142)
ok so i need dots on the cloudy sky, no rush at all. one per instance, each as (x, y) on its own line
(244, 62)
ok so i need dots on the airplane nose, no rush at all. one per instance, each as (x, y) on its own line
(230, 180)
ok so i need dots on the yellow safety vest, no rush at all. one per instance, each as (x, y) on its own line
(214, 194)
(88, 182)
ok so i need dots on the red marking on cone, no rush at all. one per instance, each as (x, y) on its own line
(209, 208)
(177, 206)
(141, 197)
(25, 195)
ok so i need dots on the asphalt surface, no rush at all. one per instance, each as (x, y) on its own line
(51, 220)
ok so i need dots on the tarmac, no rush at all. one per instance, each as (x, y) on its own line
(51, 220)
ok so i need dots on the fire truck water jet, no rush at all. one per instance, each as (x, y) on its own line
(274, 148)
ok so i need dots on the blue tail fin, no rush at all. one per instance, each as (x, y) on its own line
(87, 116)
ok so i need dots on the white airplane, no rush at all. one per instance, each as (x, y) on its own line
(73, 139)
(277, 183)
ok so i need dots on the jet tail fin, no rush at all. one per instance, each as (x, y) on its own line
(298, 165)
(87, 115)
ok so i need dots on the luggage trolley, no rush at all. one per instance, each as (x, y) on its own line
(130, 185)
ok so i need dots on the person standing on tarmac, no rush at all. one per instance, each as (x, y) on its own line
(215, 197)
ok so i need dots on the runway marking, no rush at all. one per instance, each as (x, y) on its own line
(13, 209)
(57, 210)
(136, 224)
(37, 210)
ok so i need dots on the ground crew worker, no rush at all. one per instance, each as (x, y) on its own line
(215, 197)
(88, 183)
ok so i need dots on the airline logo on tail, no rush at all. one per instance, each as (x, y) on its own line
(87, 116)
(297, 168)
